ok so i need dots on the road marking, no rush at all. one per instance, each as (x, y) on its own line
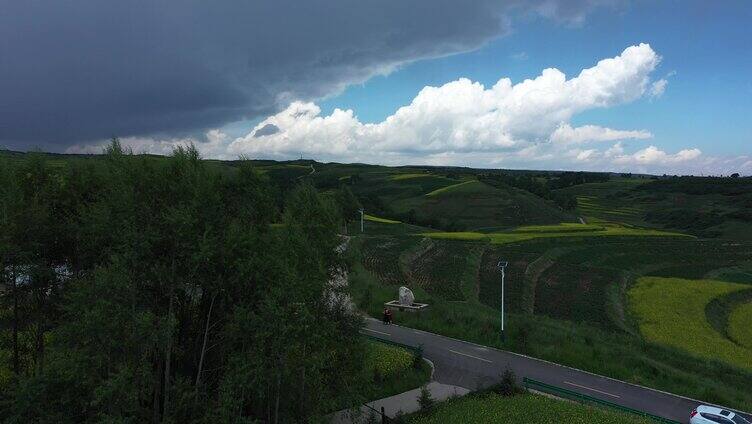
(377, 332)
(471, 356)
(591, 389)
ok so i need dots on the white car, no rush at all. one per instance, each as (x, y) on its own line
(704, 414)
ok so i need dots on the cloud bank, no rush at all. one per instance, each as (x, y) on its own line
(465, 117)
(89, 69)
(464, 123)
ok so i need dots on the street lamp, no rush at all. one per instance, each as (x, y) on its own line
(362, 211)
(502, 265)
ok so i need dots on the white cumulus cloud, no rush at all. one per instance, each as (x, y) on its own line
(463, 116)
(658, 87)
(654, 155)
(588, 133)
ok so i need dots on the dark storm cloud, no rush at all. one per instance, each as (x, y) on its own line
(89, 69)
(268, 129)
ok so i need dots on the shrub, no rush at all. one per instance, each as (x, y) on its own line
(367, 298)
(418, 357)
(425, 400)
(508, 385)
(523, 335)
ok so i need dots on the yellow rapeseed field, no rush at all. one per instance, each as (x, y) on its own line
(398, 177)
(388, 360)
(740, 325)
(452, 188)
(381, 220)
(671, 311)
(549, 231)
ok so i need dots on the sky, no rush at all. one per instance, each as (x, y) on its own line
(602, 85)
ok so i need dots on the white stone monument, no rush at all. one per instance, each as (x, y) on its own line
(406, 296)
(406, 302)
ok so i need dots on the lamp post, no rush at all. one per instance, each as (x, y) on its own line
(502, 265)
(362, 211)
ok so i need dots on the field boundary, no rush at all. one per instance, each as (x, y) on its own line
(449, 188)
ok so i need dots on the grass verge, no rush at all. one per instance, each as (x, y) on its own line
(524, 408)
(388, 370)
(392, 370)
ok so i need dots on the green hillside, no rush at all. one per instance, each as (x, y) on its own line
(704, 206)
(577, 245)
(455, 203)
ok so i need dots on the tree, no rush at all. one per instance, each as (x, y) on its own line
(304, 352)
(348, 204)
(155, 289)
(9, 215)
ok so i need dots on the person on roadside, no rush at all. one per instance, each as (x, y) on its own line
(388, 316)
(385, 317)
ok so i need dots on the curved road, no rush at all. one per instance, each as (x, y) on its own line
(473, 366)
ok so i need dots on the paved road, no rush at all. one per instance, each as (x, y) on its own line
(473, 366)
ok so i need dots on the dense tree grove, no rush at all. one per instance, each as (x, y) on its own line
(734, 186)
(142, 289)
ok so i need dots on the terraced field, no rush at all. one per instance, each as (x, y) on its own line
(658, 256)
(567, 279)
(398, 177)
(614, 201)
(592, 206)
(671, 311)
(549, 316)
(555, 231)
(381, 256)
(439, 268)
(740, 326)
(515, 282)
(575, 292)
(435, 266)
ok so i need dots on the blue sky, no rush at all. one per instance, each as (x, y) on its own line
(707, 103)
